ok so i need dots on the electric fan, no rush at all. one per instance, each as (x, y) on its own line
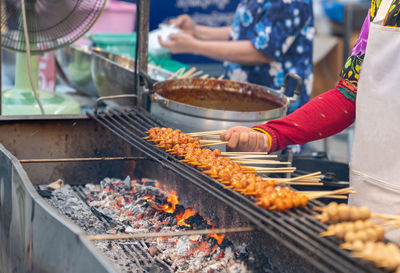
(47, 25)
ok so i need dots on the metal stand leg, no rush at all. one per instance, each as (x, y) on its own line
(326, 147)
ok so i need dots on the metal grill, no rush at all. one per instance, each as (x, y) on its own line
(136, 251)
(295, 229)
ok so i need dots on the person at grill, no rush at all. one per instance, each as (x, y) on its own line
(375, 163)
(266, 40)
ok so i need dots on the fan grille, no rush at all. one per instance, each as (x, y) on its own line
(52, 24)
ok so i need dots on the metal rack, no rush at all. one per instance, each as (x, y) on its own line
(299, 230)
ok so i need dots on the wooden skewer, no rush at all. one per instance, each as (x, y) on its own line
(214, 143)
(220, 77)
(305, 176)
(322, 192)
(268, 168)
(143, 235)
(241, 157)
(265, 162)
(385, 216)
(246, 153)
(177, 73)
(336, 196)
(301, 183)
(196, 74)
(188, 73)
(204, 77)
(209, 137)
(209, 141)
(206, 133)
(271, 171)
(299, 180)
(311, 176)
(311, 183)
(392, 227)
(339, 191)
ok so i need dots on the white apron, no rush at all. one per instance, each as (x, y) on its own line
(375, 166)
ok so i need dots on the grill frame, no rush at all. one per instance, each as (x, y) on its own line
(324, 252)
(274, 223)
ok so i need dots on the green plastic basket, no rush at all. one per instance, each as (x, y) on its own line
(124, 44)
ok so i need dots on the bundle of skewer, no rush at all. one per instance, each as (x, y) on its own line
(191, 73)
(363, 233)
(233, 170)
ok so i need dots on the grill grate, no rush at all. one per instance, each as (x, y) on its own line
(136, 251)
(300, 230)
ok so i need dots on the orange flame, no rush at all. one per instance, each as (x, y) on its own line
(218, 237)
(173, 200)
(182, 217)
(148, 198)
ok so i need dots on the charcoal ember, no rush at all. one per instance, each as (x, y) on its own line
(242, 253)
(197, 222)
(150, 213)
(179, 210)
(226, 244)
(160, 200)
(171, 221)
(106, 183)
(152, 191)
(148, 182)
(45, 193)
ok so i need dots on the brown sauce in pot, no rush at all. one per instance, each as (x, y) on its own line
(220, 100)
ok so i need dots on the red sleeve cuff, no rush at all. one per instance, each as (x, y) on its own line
(273, 139)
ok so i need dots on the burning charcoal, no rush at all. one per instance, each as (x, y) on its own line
(109, 246)
(105, 183)
(160, 200)
(148, 182)
(242, 254)
(45, 193)
(172, 221)
(225, 244)
(151, 213)
(196, 222)
(179, 210)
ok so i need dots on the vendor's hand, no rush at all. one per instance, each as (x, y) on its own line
(245, 139)
(179, 43)
(185, 23)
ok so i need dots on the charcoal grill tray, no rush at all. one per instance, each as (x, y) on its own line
(297, 225)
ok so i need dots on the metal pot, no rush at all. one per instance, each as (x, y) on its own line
(74, 68)
(114, 74)
(202, 105)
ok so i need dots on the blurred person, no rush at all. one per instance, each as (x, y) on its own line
(366, 93)
(266, 40)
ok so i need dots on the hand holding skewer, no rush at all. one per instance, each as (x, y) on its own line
(242, 138)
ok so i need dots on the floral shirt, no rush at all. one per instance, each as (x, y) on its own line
(282, 30)
(351, 70)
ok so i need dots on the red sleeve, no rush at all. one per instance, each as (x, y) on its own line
(325, 115)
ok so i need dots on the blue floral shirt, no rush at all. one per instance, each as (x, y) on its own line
(282, 30)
